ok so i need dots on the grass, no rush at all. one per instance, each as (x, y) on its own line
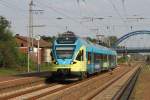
(33, 68)
(18, 70)
(122, 60)
(8, 71)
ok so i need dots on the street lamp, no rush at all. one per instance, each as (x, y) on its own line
(37, 37)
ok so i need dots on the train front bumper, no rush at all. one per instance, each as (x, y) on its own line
(68, 69)
(73, 68)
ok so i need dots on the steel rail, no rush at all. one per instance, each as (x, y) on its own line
(127, 89)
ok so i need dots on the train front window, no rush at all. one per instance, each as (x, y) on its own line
(64, 52)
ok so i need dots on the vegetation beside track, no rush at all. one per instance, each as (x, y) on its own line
(7, 71)
(18, 70)
(123, 59)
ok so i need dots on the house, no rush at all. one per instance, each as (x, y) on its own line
(44, 49)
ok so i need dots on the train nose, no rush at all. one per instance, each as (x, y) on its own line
(63, 71)
(59, 71)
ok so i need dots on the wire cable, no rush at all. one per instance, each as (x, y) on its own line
(62, 13)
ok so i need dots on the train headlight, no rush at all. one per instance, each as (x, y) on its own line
(55, 62)
(73, 62)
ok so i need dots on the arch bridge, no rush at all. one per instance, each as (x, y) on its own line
(131, 50)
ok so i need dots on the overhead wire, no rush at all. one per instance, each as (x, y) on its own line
(92, 16)
(13, 6)
(127, 19)
(124, 7)
(125, 14)
(57, 11)
(115, 9)
(79, 7)
(56, 25)
(62, 13)
(118, 13)
(84, 18)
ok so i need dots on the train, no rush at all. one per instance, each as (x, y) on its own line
(78, 57)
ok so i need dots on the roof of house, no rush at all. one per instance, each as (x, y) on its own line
(42, 43)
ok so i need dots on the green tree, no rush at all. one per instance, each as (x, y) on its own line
(91, 39)
(8, 50)
(112, 39)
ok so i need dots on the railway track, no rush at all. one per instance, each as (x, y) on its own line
(9, 83)
(87, 89)
(92, 88)
(120, 88)
(30, 93)
(126, 90)
(18, 84)
(26, 86)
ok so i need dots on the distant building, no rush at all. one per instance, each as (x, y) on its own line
(44, 49)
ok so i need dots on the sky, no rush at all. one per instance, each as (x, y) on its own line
(84, 17)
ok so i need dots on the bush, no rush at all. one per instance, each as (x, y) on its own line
(9, 54)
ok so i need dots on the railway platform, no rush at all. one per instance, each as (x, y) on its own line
(142, 86)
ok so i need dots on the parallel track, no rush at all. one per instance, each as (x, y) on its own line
(24, 91)
(126, 90)
(117, 89)
(108, 84)
(48, 89)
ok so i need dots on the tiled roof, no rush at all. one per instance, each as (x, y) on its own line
(42, 42)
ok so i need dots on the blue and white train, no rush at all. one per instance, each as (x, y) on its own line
(73, 55)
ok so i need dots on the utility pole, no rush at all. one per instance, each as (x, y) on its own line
(66, 28)
(30, 30)
(31, 23)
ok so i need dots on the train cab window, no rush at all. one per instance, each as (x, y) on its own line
(52, 56)
(80, 56)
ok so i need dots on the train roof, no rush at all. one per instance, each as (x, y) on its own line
(91, 47)
(70, 39)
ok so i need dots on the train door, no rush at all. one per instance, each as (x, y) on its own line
(90, 62)
(52, 56)
(97, 67)
(81, 60)
(105, 62)
(110, 57)
(115, 61)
